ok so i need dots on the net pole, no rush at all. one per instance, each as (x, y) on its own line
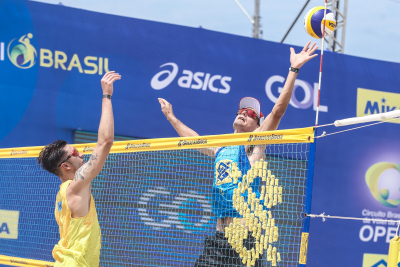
(320, 64)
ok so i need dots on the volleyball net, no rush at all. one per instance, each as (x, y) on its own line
(154, 200)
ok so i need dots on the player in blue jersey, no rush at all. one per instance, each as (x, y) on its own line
(249, 118)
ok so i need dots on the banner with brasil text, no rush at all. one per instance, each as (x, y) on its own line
(52, 58)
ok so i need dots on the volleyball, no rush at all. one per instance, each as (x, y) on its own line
(314, 22)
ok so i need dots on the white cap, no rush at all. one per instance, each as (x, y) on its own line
(251, 102)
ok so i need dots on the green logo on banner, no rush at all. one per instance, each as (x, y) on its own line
(23, 55)
(372, 178)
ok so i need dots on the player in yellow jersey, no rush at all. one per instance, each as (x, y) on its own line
(75, 211)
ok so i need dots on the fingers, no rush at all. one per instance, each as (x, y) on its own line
(313, 50)
(112, 75)
(311, 47)
(164, 103)
(108, 74)
(161, 101)
(115, 78)
(292, 51)
(306, 46)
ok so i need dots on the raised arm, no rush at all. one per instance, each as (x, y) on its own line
(181, 128)
(88, 171)
(272, 121)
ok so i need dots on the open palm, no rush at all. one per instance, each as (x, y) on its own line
(298, 60)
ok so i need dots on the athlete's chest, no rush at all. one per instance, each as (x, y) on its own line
(230, 160)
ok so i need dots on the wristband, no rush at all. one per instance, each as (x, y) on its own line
(107, 96)
(294, 70)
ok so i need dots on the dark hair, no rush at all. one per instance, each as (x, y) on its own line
(51, 155)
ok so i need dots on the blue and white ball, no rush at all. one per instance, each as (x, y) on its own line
(314, 22)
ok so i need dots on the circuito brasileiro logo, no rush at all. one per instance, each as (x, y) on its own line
(383, 180)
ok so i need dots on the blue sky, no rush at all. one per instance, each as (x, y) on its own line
(373, 26)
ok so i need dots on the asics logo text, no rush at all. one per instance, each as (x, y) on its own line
(193, 80)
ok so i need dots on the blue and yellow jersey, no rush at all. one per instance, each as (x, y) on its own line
(223, 185)
(80, 238)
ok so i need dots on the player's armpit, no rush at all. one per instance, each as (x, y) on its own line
(211, 151)
(257, 153)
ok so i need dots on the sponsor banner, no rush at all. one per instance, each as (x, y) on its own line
(9, 224)
(374, 260)
(12, 261)
(374, 102)
(302, 135)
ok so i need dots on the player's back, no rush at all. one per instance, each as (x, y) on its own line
(80, 238)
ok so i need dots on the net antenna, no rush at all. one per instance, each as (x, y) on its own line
(320, 65)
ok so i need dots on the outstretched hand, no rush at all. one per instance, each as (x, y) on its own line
(166, 108)
(298, 60)
(107, 82)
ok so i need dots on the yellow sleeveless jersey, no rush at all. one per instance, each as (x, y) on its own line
(80, 238)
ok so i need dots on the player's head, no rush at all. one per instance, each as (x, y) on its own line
(60, 158)
(249, 116)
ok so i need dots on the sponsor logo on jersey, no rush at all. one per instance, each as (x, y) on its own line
(223, 172)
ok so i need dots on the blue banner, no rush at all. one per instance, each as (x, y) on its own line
(53, 57)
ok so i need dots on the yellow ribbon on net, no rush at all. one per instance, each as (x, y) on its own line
(394, 248)
(301, 135)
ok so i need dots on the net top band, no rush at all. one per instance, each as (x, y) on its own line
(299, 135)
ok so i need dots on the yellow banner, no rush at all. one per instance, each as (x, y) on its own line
(374, 102)
(12, 261)
(301, 135)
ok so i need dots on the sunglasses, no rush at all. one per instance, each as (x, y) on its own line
(250, 113)
(74, 153)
